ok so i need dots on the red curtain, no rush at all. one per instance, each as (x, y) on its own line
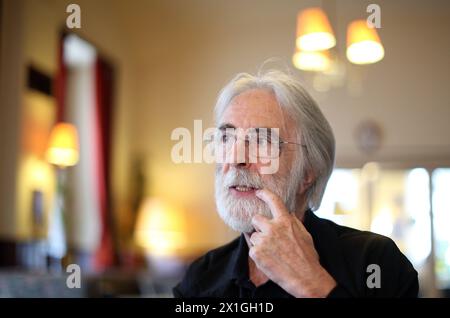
(104, 74)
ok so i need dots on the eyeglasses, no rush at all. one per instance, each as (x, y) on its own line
(262, 142)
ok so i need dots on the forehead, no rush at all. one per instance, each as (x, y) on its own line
(256, 108)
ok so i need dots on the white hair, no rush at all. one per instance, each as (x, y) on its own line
(313, 130)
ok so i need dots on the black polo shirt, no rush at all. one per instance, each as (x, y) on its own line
(344, 252)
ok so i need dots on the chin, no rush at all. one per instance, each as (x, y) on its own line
(238, 214)
(237, 224)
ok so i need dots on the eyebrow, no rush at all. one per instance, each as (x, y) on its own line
(226, 126)
(230, 126)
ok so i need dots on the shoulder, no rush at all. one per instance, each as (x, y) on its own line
(205, 269)
(364, 243)
(361, 253)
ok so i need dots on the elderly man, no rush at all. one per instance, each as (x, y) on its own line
(284, 250)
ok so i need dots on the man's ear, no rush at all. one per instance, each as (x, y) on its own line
(307, 181)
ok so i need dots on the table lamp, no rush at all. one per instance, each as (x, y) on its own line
(63, 152)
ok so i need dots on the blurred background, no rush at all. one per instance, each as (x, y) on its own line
(86, 117)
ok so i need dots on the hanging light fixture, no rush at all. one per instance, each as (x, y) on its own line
(318, 61)
(314, 32)
(363, 43)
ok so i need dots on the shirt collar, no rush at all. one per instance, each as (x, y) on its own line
(235, 268)
(238, 270)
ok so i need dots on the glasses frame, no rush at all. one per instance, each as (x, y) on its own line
(280, 142)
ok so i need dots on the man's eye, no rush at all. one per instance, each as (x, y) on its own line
(263, 141)
(226, 138)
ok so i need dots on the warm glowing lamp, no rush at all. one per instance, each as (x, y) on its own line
(363, 43)
(62, 151)
(314, 32)
(160, 228)
(63, 146)
(318, 61)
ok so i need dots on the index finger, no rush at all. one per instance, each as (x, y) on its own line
(274, 202)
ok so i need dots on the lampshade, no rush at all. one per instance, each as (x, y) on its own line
(63, 146)
(318, 61)
(160, 228)
(314, 32)
(363, 43)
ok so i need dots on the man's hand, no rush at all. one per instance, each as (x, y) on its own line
(283, 249)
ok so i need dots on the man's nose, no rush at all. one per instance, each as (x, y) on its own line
(239, 154)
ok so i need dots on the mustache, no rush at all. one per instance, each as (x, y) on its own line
(242, 178)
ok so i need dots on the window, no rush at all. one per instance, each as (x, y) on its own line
(397, 203)
(441, 223)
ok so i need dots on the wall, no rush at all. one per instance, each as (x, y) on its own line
(10, 91)
(189, 49)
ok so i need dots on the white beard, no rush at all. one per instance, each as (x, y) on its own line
(238, 213)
